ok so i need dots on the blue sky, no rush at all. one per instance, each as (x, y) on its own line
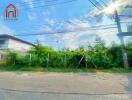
(36, 16)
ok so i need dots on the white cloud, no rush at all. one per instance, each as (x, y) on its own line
(29, 3)
(50, 21)
(31, 15)
(110, 8)
(72, 40)
(46, 13)
(5, 29)
(31, 12)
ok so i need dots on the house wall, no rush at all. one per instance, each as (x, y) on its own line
(18, 46)
(3, 43)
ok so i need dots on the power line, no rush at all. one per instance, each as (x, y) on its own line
(62, 32)
(59, 3)
(99, 26)
(104, 3)
(68, 22)
(63, 40)
(92, 27)
(97, 3)
(40, 1)
(126, 15)
(36, 2)
(94, 5)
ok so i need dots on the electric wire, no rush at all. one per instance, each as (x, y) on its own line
(46, 5)
(62, 32)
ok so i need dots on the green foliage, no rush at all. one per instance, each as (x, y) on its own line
(96, 56)
(12, 58)
(115, 55)
(129, 52)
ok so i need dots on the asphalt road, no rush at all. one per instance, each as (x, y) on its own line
(69, 86)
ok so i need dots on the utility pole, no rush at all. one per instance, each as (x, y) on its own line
(124, 54)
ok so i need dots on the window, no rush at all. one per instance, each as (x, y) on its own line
(2, 43)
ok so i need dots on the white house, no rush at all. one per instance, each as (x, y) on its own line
(14, 44)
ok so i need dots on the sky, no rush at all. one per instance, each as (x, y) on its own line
(51, 16)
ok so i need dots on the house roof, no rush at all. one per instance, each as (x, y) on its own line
(15, 38)
(10, 5)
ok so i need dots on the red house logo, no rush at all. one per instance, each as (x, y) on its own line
(11, 12)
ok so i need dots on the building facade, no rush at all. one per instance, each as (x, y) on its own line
(8, 42)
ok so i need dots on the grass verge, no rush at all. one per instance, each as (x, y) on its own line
(64, 69)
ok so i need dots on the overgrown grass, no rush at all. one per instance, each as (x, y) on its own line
(63, 69)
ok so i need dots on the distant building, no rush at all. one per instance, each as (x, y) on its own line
(8, 42)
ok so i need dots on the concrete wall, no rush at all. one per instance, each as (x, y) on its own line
(18, 46)
(5, 45)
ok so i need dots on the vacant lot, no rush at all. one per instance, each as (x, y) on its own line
(68, 86)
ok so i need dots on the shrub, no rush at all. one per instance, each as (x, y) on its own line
(97, 56)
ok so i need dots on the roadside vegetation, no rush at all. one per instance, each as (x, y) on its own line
(94, 58)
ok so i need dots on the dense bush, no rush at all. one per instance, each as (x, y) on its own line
(97, 56)
(129, 53)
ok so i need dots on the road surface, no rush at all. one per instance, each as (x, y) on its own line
(68, 86)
